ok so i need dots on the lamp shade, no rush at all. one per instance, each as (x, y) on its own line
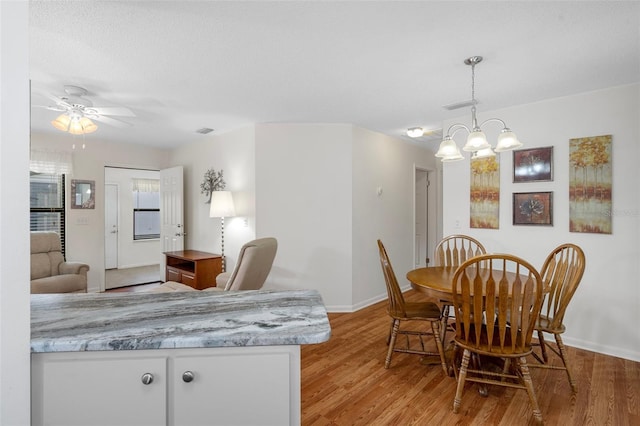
(82, 126)
(448, 150)
(476, 141)
(62, 122)
(76, 125)
(507, 140)
(222, 204)
(483, 153)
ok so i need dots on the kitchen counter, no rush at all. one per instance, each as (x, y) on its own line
(135, 321)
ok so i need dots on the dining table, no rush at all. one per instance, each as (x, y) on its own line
(436, 282)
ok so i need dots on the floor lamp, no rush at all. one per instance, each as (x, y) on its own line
(222, 206)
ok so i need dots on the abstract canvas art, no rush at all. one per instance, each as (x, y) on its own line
(590, 184)
(485, 193)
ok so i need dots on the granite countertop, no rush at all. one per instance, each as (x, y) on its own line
(202, 319)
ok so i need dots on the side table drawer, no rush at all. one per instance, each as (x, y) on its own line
(173, 274)
(188, 279)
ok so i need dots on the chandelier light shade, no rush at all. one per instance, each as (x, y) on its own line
(477, 142)
(76, 124)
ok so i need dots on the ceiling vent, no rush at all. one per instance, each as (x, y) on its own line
(458, 105)
(204, 130)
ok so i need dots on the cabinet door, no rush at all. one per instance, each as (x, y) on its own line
(238, 388)
(77, 390)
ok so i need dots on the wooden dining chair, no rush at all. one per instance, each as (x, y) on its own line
(401, 311)
(562, 272)
(497, 299)
(452, 251)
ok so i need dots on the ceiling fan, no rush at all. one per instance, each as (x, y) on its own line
(78, 111)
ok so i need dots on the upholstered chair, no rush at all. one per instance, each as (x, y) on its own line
(49, 271)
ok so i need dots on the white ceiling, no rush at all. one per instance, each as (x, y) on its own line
(384, 66)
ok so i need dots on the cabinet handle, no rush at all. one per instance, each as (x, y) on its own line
(187, 376)
(147, 378)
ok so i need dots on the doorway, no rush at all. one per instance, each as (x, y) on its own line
(132, 247)
(425, 218)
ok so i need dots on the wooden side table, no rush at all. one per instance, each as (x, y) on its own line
(197, 269)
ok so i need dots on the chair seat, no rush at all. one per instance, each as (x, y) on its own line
(482, 347)
(418, 310)
(544, 324)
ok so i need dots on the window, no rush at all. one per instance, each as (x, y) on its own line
(146, 209)
(47, 204)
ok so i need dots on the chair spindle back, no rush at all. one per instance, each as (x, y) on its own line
(456, 249)
(562, 272)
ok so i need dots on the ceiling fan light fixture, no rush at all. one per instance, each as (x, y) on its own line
(82, 126)
(62, 122)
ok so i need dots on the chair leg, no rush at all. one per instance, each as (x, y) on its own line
(392, 342)
(390, 331)
(563, 356)
(528, 383)
(543, 347)
(435, 326)
(462, 376)
(445, 321)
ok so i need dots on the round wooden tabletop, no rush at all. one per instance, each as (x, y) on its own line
(434, 281)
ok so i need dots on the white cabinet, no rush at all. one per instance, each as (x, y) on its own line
(213, 386)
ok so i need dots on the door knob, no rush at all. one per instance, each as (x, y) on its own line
(187, 376)
(147, 378)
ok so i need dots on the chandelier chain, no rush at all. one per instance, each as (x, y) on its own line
(474, 120)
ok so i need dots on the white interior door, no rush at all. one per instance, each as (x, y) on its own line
(172, 230)
(110, 226)
(421, 250)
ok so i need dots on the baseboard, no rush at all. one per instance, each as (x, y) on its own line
(601, 349)
(363, 304)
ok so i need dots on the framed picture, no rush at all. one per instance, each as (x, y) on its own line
(83, 194)
(533, 208)
(533, 165)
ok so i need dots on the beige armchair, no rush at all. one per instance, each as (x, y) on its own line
(49, 271)
(251, 270)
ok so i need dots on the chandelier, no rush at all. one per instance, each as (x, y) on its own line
(476, 139)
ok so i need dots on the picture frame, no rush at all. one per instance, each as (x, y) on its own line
(533, 165)
(83, 194)
(533, 208)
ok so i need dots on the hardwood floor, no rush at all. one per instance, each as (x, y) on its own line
(344, 382)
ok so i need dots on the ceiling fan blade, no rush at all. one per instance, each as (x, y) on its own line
(111, 121)
(121, 111)
(57, 108)
(59, 102)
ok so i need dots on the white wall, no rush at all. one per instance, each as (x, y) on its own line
(380, 161)
(303, 198)
(232, 152)
(313, 187)
(603, 315)
(131, 253)
(15, 325)
(85, 227)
